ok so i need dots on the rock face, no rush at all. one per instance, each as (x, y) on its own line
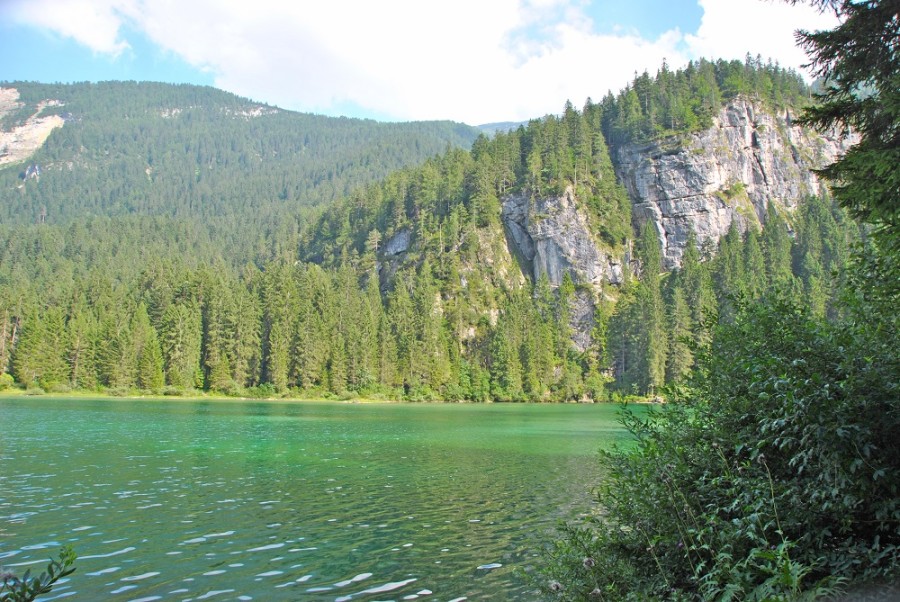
(20, 142)
(398, 243)
(552, 236)
(729, 172)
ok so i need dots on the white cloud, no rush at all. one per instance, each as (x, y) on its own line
(732, 28)
(469, 60)
(92, 24)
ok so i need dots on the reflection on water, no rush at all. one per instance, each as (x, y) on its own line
(242, 501)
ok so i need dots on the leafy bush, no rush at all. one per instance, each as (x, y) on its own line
(262, 391)
(773, 476)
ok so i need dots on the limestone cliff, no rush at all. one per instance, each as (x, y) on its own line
(701, 182)
(730, 172)
(553, 235)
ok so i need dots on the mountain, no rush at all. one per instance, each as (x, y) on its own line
(501, 126)
(751, 158)
(70, 152)
(578, 205)
(572, 257)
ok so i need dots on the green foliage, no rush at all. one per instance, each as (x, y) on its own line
(166, 171)
(861, 70)
(6, 381)
(639, 338)
(774, 476)
(26, 588)
(190, 151)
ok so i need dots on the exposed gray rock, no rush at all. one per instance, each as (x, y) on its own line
(398, 243)
(21, 141)
(730, 172)
(581, 318)
(552, 236)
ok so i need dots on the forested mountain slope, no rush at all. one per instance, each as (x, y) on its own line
(160, 149)
(524, 269)
(238, 167)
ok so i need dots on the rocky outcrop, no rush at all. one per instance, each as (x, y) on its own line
(730, 172)
(552, 236)
(21, 141)
(398, 243)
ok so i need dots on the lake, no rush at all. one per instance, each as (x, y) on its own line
(233, 500)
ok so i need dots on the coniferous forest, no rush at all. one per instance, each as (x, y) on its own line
(182, 246)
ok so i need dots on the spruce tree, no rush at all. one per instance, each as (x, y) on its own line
(150, 374)
(859, 64)
(680, 357)
(776, 244)
(652, 311)
(180, 341)
(40, 354)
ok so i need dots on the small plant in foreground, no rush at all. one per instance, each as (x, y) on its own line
(26, 588)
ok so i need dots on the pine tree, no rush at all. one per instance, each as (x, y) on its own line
(649, 298)
(858, 60)
(777, 251)
(279, 298)
(401, 316)
(243, 327)
(81, 337)
(728, 271)
(754, 266)
(309, 365)
(506, 365)
(695, 280)
(116, 355)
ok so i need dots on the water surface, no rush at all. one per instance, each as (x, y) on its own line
(178, 500)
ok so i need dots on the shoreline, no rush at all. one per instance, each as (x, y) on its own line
(15, 393)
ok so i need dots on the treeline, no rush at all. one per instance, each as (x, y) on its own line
(298, 328)
(685, 100)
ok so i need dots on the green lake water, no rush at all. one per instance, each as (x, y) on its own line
(180, 500)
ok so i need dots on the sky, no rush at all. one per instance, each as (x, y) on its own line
(473, 61)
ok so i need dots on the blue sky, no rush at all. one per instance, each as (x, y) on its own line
(475, 61)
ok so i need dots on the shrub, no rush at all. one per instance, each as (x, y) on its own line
(6, 381)
(774, 475)
(262, 391)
